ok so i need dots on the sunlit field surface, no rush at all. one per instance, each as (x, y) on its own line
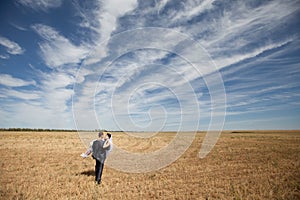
(242, 165)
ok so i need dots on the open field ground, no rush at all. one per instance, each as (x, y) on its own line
(242, 165)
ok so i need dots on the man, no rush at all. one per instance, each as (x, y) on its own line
(99, 149)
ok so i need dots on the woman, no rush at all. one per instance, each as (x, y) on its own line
(108, 143)
(100, 149)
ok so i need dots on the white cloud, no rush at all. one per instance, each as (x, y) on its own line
(56, 80)
(160, 5)
(11, 46)
(19, 27)
(4, 56)
(48, 106)
(107, 16)
(58, 50)
(193, 8)
(8, 80)
(41, 4)
(24, 95)
(34, 115)
(224, 61)
(57, 90)
(239, 33)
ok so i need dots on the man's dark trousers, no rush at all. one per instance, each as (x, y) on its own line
(98, 170)
(99, 154)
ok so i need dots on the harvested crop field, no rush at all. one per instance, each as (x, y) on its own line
(242, 165)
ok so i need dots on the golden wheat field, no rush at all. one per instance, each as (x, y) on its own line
(242, 165)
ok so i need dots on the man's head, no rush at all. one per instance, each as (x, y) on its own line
(100, 134)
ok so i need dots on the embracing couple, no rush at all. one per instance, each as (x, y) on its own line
(99, 149)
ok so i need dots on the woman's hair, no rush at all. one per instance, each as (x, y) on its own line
(109, 135)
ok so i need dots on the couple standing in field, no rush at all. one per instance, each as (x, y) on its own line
(99, 148)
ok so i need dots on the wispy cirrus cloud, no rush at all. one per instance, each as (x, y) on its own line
(224, 61)
(46, 105)
(10, 81)
(19, 27)
(40, 4)
(19, 94)
(240, 30)
(57, 90)
(107, 14)
(12, 47)
(192, 9)
(56, 49)
(4, 56)
(157, 83)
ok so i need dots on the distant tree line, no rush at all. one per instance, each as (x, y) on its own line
(59, 130)
(37, 129)
(49, 130)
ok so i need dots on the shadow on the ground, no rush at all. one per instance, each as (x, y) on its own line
(88, 173)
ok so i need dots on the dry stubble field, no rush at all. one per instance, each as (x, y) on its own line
(243, 165)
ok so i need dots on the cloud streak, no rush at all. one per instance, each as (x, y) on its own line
(10, 81)
(43, 5)
(107, 15)
(56, 49)
(23, 95)
(12, 47)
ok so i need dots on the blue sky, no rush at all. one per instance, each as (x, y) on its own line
(150, 65)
